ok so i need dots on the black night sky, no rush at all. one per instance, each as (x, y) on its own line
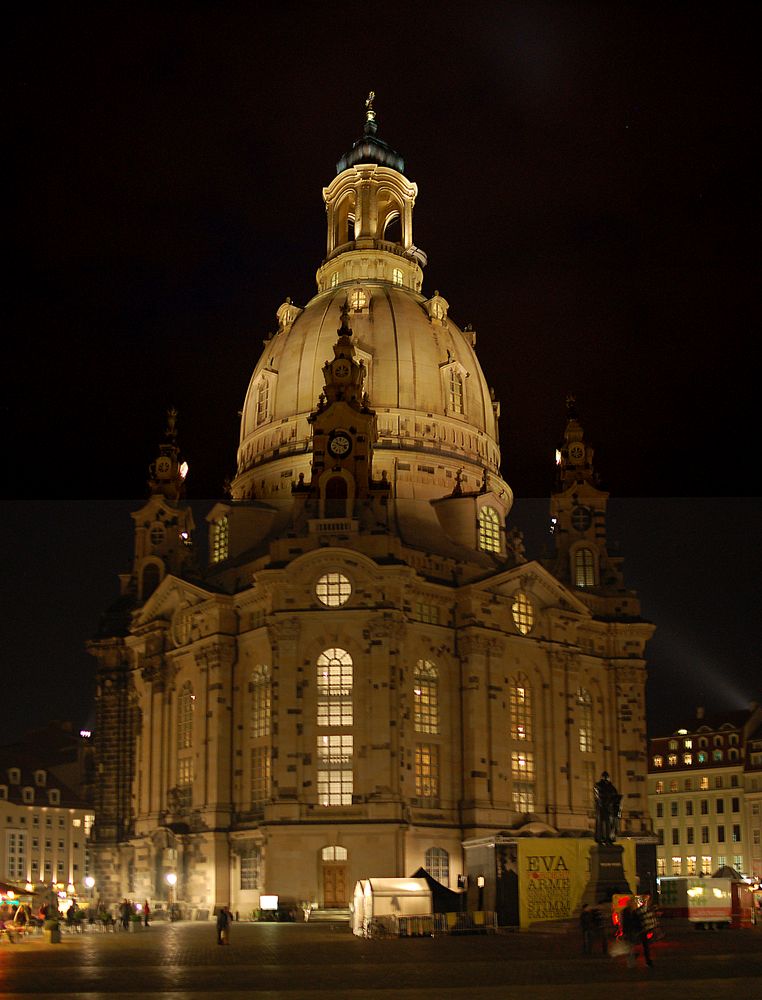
(587, 198)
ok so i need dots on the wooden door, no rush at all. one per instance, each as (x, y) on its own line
(334, 886)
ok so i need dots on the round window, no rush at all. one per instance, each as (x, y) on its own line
(333, 589)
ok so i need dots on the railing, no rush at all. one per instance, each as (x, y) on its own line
(471, 922)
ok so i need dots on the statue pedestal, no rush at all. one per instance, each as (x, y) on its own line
(607, 876)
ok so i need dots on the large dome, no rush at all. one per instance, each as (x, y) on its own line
(436, 414)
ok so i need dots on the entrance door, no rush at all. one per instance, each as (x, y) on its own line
(334, 886)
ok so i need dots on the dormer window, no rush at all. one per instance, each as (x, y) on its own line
(54, 796)
(263, 401)
(39, 778)
(14, 775)
(27, 795)
(489, 530)
(456, 391)
(358, 300)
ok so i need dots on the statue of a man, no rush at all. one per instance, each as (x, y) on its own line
(608, 809)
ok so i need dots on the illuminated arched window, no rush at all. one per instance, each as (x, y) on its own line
(334, 852)
(584, 568)
(520, 706)
(335, 748)
(585, 720)
(523, 613)
(185, 704)
(425, 697)
(456, 391)
(397, 277)
(489, 530)
(437, 864)
(334, 279)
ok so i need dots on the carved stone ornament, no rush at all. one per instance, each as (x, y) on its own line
(182, 621)
(284, 630)
(437, 308)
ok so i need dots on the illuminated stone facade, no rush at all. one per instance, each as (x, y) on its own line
(369, 670)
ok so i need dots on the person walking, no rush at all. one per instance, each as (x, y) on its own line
(634, 934)
(146, 913)
(223, 925)
(125, 912)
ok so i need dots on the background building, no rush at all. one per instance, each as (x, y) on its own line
(705, 789)
(369, 670)
(45, 826)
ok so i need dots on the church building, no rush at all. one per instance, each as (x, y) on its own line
(367, 671)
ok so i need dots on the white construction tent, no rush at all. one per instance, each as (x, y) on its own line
(386, 901)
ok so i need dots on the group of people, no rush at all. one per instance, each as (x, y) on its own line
(128, 909)
(637, 923)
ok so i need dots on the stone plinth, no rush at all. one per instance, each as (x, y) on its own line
(607, 876)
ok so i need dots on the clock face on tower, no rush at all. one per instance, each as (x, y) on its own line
(340, 444)
(163, 466)
(341, 369)
(576, 452)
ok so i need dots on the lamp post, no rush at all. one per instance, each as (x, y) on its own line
(90, 883)
(171, 879)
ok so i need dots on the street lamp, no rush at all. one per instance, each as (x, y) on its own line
(90, 882)
(171, 878)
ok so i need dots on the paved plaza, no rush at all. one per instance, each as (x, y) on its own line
(182, 961)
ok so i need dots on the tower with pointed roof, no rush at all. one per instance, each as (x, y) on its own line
(369, 673)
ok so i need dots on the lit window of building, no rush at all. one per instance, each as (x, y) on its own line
(260, 688)
(520, 707)
(333, 589)
(334, 688)
(688, 758)
(263, 401)
(358, 300)
(658, 761)
(397, 277)
(584, 568)
(522, 779)
(672, 759)
(706, 864)
(661, 867)
(659, 787)
(456, 391)
(677, 866)
(425, 697)
(427, 773)
(585, 720)
(704, 784)
(523, 613)
(334, 775)
(427, 613)
(690, 865)
(220, 539)
(437, 864)
(185, 706)
(489, 530)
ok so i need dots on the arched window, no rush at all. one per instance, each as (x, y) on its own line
(334, 717)
(336, 497)
(260, 688)
(584, 568)
(397, 277)
(489, 530)
(425, 697)
(585, 720)
(523, 613)
(437, 864)
(456, 391)
(520, 706)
